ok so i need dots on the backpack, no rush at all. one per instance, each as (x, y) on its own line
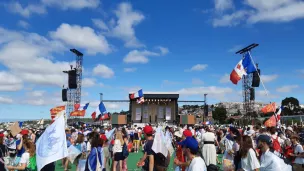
(213, 167)
(276, 145)
(161, 160)
(125, 151)
(32, 165)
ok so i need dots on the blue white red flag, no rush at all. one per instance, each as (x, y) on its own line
(81, 106)
(244, 67)
(100, 111)
(138, 94)
(141, 100)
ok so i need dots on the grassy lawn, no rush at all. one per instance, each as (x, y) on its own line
(132, 160)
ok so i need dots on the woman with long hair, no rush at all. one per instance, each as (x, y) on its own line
(81, 146)
(249, 160)
(24, 163)
(94, 160)
(117, 151)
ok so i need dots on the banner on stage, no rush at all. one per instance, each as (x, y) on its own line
(138, 114)
(168, 113)
(160, 112)
(145, 113)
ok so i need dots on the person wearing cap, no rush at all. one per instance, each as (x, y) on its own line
(298, 164)
(269, 161)
(288, 132)
(147, 161)
(190, 149)
(106, 152)
(187, 133)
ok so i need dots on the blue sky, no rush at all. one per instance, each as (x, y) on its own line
(170, 46)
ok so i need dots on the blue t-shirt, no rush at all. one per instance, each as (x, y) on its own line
(21, 151)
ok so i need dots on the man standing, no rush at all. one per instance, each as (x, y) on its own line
(147, 161)
(190, 149)
(269, 161)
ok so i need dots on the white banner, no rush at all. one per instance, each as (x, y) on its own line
(168, 113)
(51, 145)
(160, 112)
(138, 114)
(145, 113)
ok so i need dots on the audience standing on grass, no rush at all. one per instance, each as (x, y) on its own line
(194, 149)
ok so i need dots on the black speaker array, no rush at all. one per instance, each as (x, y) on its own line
(72, 79)
(206, 110)
(64, 95)
(256, 78)
(252, 94)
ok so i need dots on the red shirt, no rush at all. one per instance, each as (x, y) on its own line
(180, 155)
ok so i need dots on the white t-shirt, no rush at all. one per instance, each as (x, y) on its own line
(88, 146)
(25, 158)
(298, 150)
(197, 164)
(250, 162)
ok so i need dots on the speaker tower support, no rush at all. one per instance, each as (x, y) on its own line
(248, 104)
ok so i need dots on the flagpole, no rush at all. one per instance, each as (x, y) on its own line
(266, 91)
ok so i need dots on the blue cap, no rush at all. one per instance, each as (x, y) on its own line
(190, 143)
(264, 138)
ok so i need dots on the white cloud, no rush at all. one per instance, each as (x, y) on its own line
(103, 71)
(100, 24)
(16, 7)
(36, 93)
(136, 56)
(5, 100)
(197, 81)
(225, 78)
(223, 5)
(232, 19)
(269, 78)
(27, 56)
(111, 107)
(212, 91)
(287, 88)
(82, 37)
(88, 82)
(9, 82)
(163, 50)
(254, 11)
(74, 4)
(262, 94)
(130, 69)
(169, 83)
(23, 24)
(124, 28)
(197, 67)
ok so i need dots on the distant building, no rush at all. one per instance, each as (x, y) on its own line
(157, 107)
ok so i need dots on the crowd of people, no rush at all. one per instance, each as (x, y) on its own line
(195, 148)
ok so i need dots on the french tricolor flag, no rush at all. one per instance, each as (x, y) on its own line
(138, 94)
(81, 106)
(100, 111)
(244, 67)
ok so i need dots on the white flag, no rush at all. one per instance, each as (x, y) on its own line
(51, 145)
(159, 144)
(110, 134)
(73, 152)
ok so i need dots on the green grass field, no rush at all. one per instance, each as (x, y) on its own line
(132, 160)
